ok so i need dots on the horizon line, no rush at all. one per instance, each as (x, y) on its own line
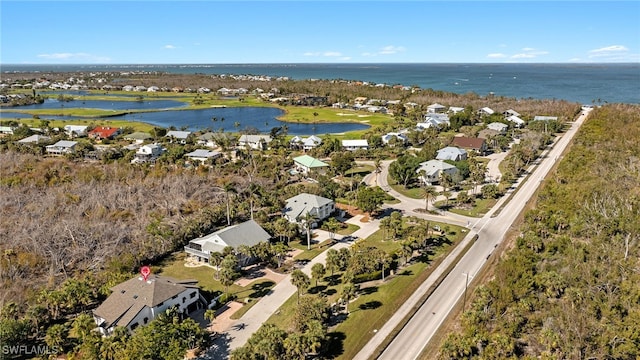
(325, 63)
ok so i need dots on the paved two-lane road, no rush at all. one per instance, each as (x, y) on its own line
(416, 334)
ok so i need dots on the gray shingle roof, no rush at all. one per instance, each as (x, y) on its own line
(247, 233)
(303, 203)
(130, 297)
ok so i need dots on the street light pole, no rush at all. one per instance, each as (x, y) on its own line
(466, 284)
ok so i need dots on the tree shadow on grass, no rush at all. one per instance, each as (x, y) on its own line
(335, 344)
(317, 289)
(406, 273)
(330, 292)
(369, 290)
(261, 289)
(370, 305)
(332, 280)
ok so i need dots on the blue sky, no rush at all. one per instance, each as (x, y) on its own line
(224, 32)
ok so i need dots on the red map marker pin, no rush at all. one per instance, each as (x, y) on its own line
(145, 271)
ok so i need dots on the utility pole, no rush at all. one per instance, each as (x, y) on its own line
(466, 284)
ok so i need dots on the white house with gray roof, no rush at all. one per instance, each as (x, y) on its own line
(179, 136)
(76, 130)
(203, 155)
(357, 144)
(248, 233)
(451, 153)
(498, 126)
(62, 147)
(430, 171)
(255, 142)
(298, 206)
(136, 302)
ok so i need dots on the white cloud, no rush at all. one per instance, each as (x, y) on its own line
(75, 57)
(523, 56)
(529, 53)
(612, 52)
(170, 47)
(323, 54)
(609, 49)
(496, 56)
(390, 49)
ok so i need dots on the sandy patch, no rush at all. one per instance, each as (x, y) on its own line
(364, 116)
(343, 114)
(223, 317)
(259, 273)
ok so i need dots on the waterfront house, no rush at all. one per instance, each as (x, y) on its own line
(248, 233)
(353, 145)
(137, 301)
(62, 147)
(311, 142)
(103, 132)
(302, 204)
(7, 130)
(178, 136)
(430, 171)
(74, 131)
(255, 142)
(207, 139)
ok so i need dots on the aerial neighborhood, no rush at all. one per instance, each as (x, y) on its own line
(222, 217)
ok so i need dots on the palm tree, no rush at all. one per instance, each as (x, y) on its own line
(215, 259)
(428, 193)
(210, 315)
(348, 292)
(377, 168)
(307, 222)
(317, 271)
(229, 189)
(331, 225)
(300, 280)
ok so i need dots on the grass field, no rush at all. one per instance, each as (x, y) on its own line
(377, 300)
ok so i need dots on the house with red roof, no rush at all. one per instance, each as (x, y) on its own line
(103, 132)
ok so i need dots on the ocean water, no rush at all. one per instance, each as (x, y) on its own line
(582, 83)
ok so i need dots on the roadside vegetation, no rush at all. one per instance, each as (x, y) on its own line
(569, 287)
(76, 225)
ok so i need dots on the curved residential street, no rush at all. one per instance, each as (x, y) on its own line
(412, 339)
(416, 334)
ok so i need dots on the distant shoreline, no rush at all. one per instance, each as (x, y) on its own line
(577, 82)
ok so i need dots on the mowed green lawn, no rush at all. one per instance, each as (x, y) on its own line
(377, 302)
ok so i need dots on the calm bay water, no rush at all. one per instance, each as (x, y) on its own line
(232, 119)
(582, 83)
